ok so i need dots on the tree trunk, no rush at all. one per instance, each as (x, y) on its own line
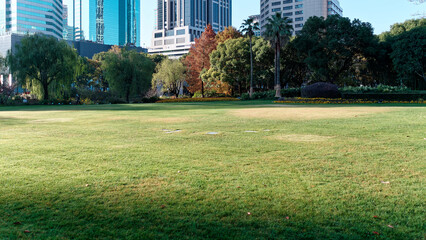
(46, 91)
(202, 88)
(251, 69)
(128, 95)
(278, 81)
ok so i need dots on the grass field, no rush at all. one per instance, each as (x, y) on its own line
(289, 172)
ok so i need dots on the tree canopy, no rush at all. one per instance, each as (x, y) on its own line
(231, 63)
(128, 72)
(228, 33)
(278, 31)
(332, 46)
(44, 65)
(198, 59)
(170, 75)
(409, 57)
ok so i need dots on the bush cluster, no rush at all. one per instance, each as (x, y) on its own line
(379, 89)
(177, 100)
(270, 95)
(341, 101)
(321, 90)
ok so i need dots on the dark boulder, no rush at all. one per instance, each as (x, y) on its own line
(321, 90)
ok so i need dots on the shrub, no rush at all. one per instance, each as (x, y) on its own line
(197, 95)
(340, 101)
(379, 89)
(321, 90)
(177, 100)
(386, 96)
(270, 95)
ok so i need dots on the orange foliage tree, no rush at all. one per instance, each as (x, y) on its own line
(199, 59)
(228, 33)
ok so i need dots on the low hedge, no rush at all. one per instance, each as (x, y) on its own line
(270, 95)
(386, 96)
(340, 101)
(180, 100)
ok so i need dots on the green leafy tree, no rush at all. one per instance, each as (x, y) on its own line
(400, 28)
(44, 65)
(263, 57)
(157, 58)
(3, 63)
(128, 72)
(90, 75)
(230, 64)
(278, 31)
(294, 70)
(247, 28)
(409, 57)
(332, 46)
(170, 74)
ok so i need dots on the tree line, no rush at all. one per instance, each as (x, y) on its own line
(232, 62)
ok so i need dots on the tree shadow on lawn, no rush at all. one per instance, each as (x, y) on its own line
(187, 106)
(103, 218)
(10, 121)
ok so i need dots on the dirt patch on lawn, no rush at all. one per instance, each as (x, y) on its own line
(167, 120)
(150, 119)
(301, 138)
(308, 113)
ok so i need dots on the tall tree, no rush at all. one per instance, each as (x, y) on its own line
(128, 72)
(198, 59)
(43, 64)
(409, 57)
(228, 33)
(400, 28)
(2, 65)
(333, 46)
(247, 28)
(170, 74)
(278, 31)
(263, 57)
(230, 63)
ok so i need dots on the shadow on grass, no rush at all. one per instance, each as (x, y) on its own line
(187, 106)
(100, 217)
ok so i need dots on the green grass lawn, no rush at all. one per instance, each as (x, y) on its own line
(307, 172)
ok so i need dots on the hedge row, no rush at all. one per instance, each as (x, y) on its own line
(385, 96)
(339, 101)
(178, 100)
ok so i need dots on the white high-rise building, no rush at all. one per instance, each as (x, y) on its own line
(179, 22)
(32, 16)
(298, 10)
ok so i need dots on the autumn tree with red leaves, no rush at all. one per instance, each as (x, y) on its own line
(198, 59)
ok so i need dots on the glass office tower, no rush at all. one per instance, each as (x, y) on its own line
(179, 22)
(31, 16)
(114, 22)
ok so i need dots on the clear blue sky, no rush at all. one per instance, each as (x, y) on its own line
(380, 13)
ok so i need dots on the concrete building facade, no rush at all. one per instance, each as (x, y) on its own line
(180, 22)
(298, 10)
(32, 16)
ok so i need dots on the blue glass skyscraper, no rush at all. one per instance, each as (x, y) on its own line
(31, 16)
(115, 22)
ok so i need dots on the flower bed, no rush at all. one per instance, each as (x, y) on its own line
(340, 101)
(178, 100)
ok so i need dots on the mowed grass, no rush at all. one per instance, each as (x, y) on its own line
(301, 172)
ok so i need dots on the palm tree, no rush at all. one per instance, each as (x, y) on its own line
(278, 31)
(247, 28)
